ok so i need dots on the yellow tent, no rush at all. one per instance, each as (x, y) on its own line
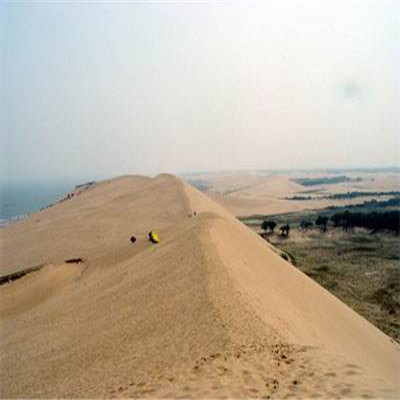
(154, 237)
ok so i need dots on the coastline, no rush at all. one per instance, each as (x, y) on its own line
(35, 197)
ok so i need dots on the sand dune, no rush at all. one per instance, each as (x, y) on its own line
(246, 193)
(211, 311)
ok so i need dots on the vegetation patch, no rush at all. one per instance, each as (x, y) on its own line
(322, 181)
(355, 194)
(372, 204)
(348, 195)
(360, 268)
(374, 221)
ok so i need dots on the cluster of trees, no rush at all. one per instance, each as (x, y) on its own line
(271, 225)
(322, 181)
(268, 225)
(393, 202)
(389, 220)
(321, 222)
(374, 221)
(300, 198)
(352, 195)
(349, 195)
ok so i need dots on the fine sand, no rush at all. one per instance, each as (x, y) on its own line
(210, 312)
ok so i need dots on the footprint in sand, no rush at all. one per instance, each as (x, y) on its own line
(272, 383)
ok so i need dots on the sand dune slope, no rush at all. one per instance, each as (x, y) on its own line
(209, 312)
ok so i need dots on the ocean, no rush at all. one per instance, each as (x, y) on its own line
(18, 199)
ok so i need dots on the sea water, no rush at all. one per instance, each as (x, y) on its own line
(18, 199)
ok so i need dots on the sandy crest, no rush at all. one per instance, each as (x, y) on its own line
(346, 354)
(210, 312)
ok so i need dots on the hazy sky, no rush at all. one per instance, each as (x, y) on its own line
(101, 89)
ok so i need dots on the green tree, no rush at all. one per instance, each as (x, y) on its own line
(322, 222)
(264, 226)
(268, 225)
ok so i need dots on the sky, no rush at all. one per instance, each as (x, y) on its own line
(104, 89)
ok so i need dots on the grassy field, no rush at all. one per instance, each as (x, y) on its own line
(361, 269)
